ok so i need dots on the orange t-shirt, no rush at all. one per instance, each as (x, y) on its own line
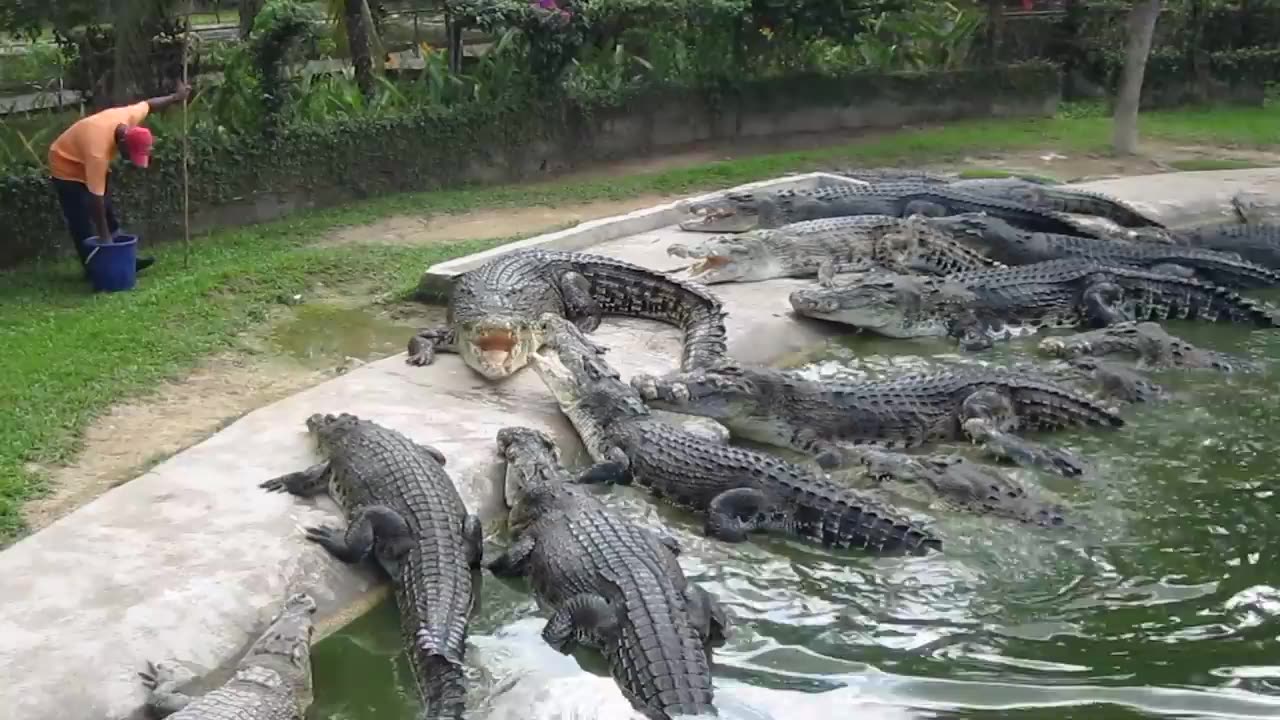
(83, 151)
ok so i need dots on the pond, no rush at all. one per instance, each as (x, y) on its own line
(1165, 604)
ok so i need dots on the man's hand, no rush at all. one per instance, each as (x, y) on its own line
(182, 92)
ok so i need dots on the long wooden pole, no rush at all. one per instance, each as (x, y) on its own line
(186, 190)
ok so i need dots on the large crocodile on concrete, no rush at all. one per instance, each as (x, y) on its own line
(964, 484)
(610, 584)
(828, 246)
(738, 490)
(271, 682)
(900, 199)
(781, 408)
(1146, 343)
(1001, 241)
(405, 513)
(1058, 199)
(494, 308)
(985, 305)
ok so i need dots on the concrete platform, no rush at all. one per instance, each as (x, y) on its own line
(188, 561)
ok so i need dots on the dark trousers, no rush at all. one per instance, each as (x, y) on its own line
(77, 210)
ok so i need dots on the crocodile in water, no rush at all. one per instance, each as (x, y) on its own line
(1001, 241)
(1147, 344)
(981, 306)
(964, 484)
(403, 511)
(271, 682)
(738, 490)
(780, 408)
(828, 246)
(609, 583)
(494, 308)
(1059, 199)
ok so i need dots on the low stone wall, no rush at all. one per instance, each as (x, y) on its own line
(239, 180)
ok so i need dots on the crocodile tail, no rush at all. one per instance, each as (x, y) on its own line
(1186, 299)
(1050, 407)
(854, 520)
(1236, 273)
(442, 687)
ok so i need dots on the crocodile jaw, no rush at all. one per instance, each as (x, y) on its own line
(718, 216)
(867, 308)
(496, 348)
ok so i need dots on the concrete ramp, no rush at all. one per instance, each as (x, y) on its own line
(190, 560)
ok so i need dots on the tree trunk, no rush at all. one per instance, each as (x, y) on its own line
(358, 44)
(249, 10)
(995, 30)
(1141, 28)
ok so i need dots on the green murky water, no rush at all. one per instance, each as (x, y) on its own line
(1167, 603)
(320, 334)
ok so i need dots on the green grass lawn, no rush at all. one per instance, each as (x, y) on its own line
(69, 355)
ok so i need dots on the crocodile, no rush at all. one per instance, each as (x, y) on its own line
(883, 175)
(738, 491)
(985, 305)
(781, 408)
(1146, 343)
(1001, 241)
(828, 246)
(1258, 243)
(610, 584)
(964, 484)
(1107, 379)
(405, 513)
(1058, 199)
(271, 682)
(899, 199)
(1255, 208)
(494, 308)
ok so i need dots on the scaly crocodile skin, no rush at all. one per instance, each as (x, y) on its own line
(1058, 199)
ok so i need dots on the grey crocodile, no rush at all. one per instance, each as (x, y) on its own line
(739, 491)
(883, 175)
(898, 199)
(1107, 379)
(966, 485)
(1001, 241)
(1256, 208)
(1147, 344)
(1258, 243)
(982, 306)
(610, 584)
(405, 513)
(828, 246)
(271, 682)
(494, 308)
(1058, 199)
(781, 408)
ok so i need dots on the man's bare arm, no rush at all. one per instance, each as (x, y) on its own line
(160, 103)
(98, 206)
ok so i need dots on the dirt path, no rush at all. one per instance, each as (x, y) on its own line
(273, 362)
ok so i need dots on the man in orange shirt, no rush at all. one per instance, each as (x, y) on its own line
(80, 162)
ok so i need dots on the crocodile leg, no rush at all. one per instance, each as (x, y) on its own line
(707, 616)
(923, 207)
(987, 415)
(515, 561)
(827, 273)
(733, 514)
(369, 523)
(426, 343)
(827, 454)
(473, 535)
(667, 541)
(1101, 301)
(614, 471)
(434, 452)
(303, 483)
(580, 307)
(586, 619)
(162, 681)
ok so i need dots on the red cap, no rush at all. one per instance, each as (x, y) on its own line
(137, 142)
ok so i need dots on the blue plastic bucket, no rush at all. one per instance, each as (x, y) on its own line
(113, 266)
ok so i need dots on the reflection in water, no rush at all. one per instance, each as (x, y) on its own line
(1166, 603)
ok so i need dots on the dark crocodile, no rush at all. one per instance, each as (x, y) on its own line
(985, 305)
(1145, 343)
(1058, 199)
(1258, 243)
(404, 512)
(964, 484)
(738, 490)
(780, 408)
(1001, 241)
(271, 682)
(828, 246)
(494, 308)
(898, 199)
(609, 583)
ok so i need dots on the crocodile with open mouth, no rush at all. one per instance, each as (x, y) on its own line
(494, 309)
